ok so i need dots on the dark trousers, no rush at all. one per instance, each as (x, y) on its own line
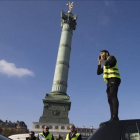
(112, 90)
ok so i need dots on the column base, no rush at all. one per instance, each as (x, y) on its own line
(56, 108)
(58, 96)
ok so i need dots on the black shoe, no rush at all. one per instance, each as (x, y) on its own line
(115, 118)
(106, 122)
(110, 119)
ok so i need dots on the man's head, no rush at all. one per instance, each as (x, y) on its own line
(72, 128)
(45, 129)
(58, 136)
(31, 134)
(104, 53)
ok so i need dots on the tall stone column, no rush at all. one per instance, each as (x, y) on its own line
(68, 24)
(57, 103)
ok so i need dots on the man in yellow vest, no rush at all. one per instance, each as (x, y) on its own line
(112, 78)
(45, 135)
(73, 135)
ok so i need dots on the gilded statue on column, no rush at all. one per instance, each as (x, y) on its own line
(70, 6)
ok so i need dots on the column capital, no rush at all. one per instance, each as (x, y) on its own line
(68, 18)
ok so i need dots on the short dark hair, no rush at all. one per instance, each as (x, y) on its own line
(72, 125)
(32, 132)
(105, 51)
(45, 125)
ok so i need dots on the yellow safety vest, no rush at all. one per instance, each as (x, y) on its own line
(49, 136)
(73, 138)
(110, 72)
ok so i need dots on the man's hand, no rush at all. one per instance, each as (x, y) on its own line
(102, 56)
(99, 59)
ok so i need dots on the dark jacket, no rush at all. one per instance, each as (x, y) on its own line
(34, 138)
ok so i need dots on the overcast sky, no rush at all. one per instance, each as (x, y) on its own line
(29, 38)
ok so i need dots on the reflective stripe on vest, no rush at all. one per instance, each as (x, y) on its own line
(49, 136)
(110, 72)
(73, 138)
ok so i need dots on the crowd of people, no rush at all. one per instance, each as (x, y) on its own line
(46, 135)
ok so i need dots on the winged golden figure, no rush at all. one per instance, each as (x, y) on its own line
(70, 6)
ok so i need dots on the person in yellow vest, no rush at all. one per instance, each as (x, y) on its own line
(112, 77)
(45, 135)
(73, 135)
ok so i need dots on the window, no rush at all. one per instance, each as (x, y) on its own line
(138, 123)
(131, 132)
(37, 126)
(56, 127)
(62, 127)
(43, 126)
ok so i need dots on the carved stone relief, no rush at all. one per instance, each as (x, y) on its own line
(56, 112)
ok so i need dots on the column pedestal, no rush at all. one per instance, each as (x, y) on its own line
(55, 109)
